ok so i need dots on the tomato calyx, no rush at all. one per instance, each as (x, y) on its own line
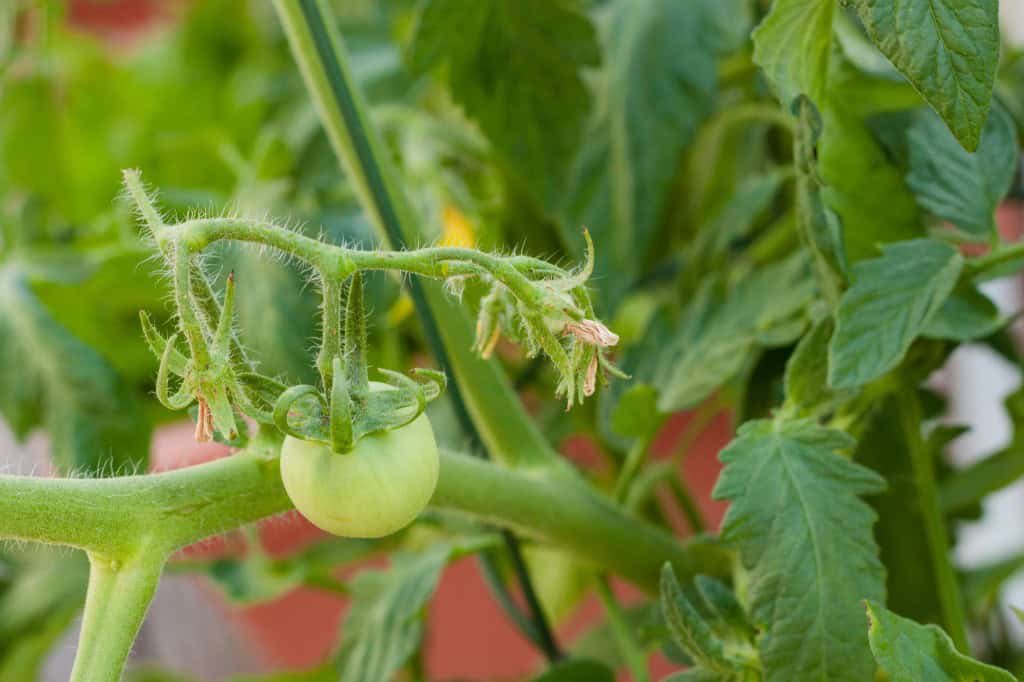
(344, 417)
(347, 409)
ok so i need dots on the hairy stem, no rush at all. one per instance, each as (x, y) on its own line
(498, 419)
(115, 517)
(330, 332)
(338, 262)
(488, 409)
(119, 595)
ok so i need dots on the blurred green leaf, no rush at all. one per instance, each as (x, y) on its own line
(52, 380)
(910, 580)
(97, 298)
(41, 592)
(966, 315)
(718, 333)
(636, 413)
(892, 300)
(806, 378)
(689, 630)
(792, 44)
(958, 186)
(385, 624)
(862, 184)
(658, 83)
(909, 652)
(515, 68)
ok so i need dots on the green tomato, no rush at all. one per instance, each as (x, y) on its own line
(376, 489)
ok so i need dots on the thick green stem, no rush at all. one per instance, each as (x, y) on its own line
(119, 595)
(113, 517)
(568, 513)
(110, 516)
(935, 529)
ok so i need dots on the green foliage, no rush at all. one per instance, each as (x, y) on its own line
(891, 302)
(961, 187)
(657, 85)
(53, 380)
(514, 75)
(926, 40)
(384, 626)
(792, 260)
(718, 332)
(39, 597)
(721, 646)
(804, 535)
(807, 370)
(908, 652)
(793, 45)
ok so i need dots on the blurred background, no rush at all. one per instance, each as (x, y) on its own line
(204, 98)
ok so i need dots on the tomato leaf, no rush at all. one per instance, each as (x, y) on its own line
(892, 300)
(863, 184)
(793, 45)
(385, 624)
(41, 592)
(909, 652)
(967, 315)
(956, 185)
(659, 82)
(718, 332)
(806, 378)
(805, 537)
(52, 380)
(948, 49)
(690, 631)
(515, 69)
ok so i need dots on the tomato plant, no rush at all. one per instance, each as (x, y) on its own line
(790, 217)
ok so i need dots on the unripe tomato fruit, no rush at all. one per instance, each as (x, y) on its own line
(376, 489)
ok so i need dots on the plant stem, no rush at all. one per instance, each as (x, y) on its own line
(119, 595)
(542, 629)
(503, 426)
(566, 512)
(492, 578)
(111, 517)
(485, 403)
(635, 659)
(686, 503)
(330, 331)
(934, 521)
(634, 461)
(978, 267)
